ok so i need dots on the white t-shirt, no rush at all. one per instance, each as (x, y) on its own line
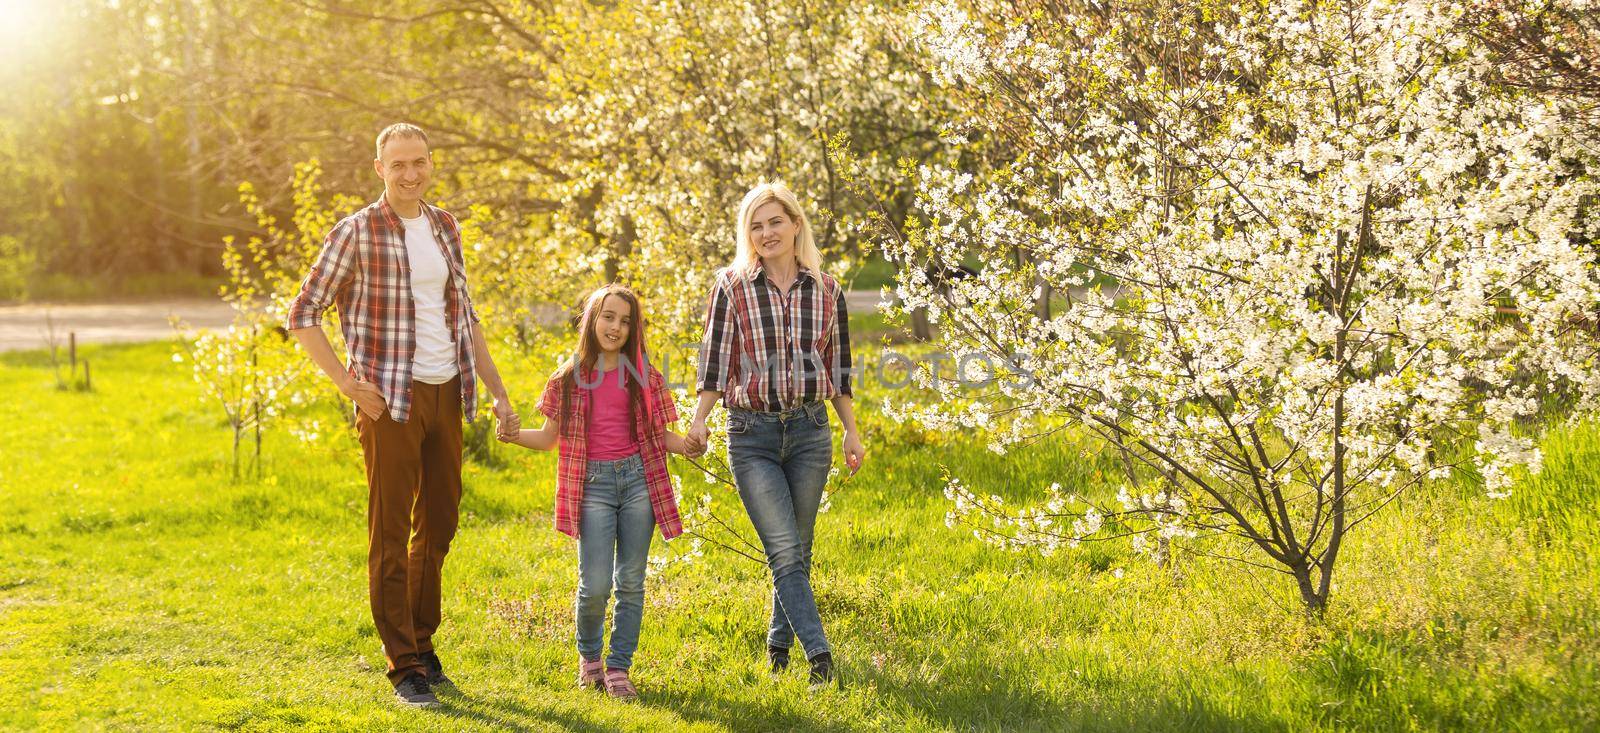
(435, 359)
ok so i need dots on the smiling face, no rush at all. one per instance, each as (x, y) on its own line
(613, 326)
(772, 232)
(405, 166)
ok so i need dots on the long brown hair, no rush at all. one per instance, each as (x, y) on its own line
(588, 354)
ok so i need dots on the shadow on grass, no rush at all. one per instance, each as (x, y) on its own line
(503, 714)
(1370, 680)
(1008, 699)
(739, 713)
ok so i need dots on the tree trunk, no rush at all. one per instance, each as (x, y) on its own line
(1312, 593)
(621, 249)
(193, 261)
(920, 330)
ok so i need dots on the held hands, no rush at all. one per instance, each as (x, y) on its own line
(696, 439)
(366, 396)
(854, 451)
(508, 425)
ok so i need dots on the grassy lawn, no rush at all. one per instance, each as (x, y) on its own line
(144, 590)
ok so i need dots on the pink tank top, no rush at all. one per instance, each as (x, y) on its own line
(609, 435)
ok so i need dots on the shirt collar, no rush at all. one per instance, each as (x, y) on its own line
(759, 271)
(392, 218)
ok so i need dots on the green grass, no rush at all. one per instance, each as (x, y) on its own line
(873, 273)
(142, 590)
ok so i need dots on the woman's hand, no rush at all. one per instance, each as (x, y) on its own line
(854, 451)
(696, 439)
(675, 443)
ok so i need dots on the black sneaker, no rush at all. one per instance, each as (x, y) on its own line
(821, 671)
(436, 678)
(779, 657)
(414, 691)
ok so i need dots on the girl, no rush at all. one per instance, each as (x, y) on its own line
(607, 409)
(776, 348)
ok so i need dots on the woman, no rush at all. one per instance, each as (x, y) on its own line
(776, 346)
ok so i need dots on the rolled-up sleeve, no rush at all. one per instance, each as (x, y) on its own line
(837, 353)
(333, 271)
(716, 347)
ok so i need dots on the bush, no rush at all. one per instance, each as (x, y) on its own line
(17, 268)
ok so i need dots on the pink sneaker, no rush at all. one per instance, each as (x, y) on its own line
(618, 686)
(591, 674)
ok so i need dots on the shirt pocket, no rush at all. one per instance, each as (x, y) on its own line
(381, 258)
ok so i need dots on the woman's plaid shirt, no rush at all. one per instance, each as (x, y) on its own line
(364, 273)
(572, 466)
(767, 352)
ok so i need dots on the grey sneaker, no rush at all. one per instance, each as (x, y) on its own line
(822, 672)
(778, 658)
(436, 678)
(414, 691)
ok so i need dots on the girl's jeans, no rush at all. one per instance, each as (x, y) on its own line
(614, 532)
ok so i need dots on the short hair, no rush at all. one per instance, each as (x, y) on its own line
(400, 130)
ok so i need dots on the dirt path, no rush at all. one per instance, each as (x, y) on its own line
(28, 326)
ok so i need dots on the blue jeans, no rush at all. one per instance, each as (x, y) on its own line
(614, 531)
(780, 463)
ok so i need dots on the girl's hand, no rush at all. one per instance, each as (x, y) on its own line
(854, 451)
(696, 439)
(507, 423)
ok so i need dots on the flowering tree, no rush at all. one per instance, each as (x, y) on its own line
(1308, 257)
(1549, 46)
(252, 370)
(619, 138)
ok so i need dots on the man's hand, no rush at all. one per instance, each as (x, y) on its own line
(508, 423)
(366, 396)
(854, 451)
(696, 439)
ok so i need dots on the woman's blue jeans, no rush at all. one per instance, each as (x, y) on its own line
(614, 533)
(780, 464)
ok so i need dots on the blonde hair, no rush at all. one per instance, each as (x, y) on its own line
(404, 130)
(745, 258)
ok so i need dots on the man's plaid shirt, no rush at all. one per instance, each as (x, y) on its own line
(572, 465)
(364, 273)
(768, 352)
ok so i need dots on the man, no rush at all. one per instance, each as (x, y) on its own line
(395, 273)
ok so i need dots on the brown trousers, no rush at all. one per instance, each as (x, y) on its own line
(413, 501)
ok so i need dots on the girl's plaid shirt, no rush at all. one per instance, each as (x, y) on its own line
(572, 466)
(363, 271)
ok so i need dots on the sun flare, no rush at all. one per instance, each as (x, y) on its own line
(23, 22)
